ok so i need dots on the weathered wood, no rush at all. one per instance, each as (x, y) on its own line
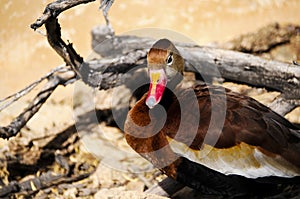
(212, 62)
(58, 149)
(32, 186)
(53, 9)
(7, 101)
(49, 19)
(20, 121)
(66, 51)
(105, 6)
(249, 69)
(283, 106)
(128, 54)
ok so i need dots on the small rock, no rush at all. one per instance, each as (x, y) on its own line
(119, 194)
(71, 193)
(135, 186)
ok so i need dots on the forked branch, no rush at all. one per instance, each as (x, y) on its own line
(20, 121)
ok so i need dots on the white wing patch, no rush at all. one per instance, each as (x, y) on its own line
(243, 159)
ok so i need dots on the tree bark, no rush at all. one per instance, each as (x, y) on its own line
(209, 62)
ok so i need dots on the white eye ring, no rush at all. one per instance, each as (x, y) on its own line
(169, 59)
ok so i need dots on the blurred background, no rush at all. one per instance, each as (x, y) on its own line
(26, 55)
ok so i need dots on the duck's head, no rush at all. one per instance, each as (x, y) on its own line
(165, 66)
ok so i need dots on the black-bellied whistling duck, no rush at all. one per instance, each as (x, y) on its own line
(250, 151)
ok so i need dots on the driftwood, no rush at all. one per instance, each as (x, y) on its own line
(213, 62)
(54, 80)
(123, 53)
(208, 62)
(234, 66)
(66, 51)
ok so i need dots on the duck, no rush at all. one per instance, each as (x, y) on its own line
(208, 137)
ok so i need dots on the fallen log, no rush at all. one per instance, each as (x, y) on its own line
(209, 62)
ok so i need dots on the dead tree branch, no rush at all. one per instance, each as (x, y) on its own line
(110, 72)
(212, 62)
(7, 101)
(105, 6)
(53, 9)
(66, 51)
(48, 179)
(128, 53)
(52, 150)
(49, 19)
(19, 122)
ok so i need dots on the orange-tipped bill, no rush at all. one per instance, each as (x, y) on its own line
(158, 81)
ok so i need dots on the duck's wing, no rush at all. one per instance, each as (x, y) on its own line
(248, 139)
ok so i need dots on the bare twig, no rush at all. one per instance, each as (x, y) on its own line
(14, 97)
(48, 179)
(66, 51)
(19, 122)
(105, 6)
(49, 19)
(53, 9)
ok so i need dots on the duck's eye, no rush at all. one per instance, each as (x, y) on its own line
(169, 59)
